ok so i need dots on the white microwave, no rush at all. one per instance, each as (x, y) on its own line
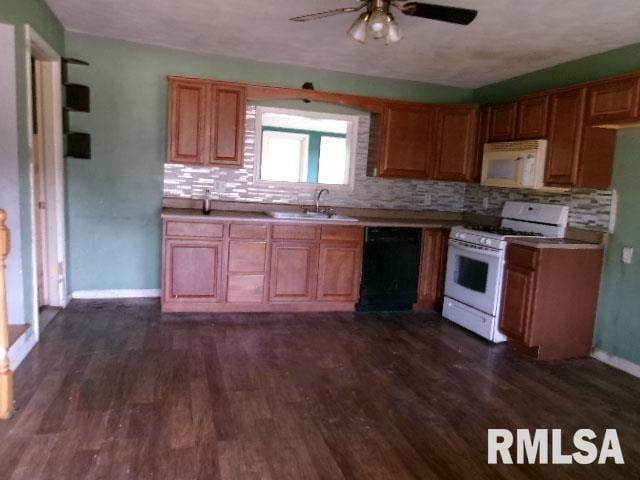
(514, 164)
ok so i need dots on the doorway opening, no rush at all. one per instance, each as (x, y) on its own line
(47, 182)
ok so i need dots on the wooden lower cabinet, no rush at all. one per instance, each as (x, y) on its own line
(433, 263)
(339, 271)
(293, 271)
(213, 266)
(549, 300)
(192, 271)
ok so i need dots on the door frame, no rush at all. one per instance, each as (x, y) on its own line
(53, 170)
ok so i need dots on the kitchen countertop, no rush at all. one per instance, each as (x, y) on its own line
(362, 221)
(557, 243)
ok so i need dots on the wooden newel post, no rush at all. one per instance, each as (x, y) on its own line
(6, 375)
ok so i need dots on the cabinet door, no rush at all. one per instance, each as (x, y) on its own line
(517, 302)
(187, 121)
(566, 124)
(433, 262)
(226, 125)
(294, 269)
(407, 137)
(614, 102)
(457, 132)
(192, 271)
(339, 272)
(502, 122)
(532, 118)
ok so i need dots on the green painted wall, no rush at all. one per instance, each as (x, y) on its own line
(618, 329)
(614, 62)
(37, 14)
(114, 199)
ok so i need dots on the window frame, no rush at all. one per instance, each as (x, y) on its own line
(352, 142)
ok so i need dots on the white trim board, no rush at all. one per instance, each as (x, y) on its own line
(616, 362)
(21, 348)
(107, 294)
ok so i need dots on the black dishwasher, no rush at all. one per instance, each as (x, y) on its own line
(390, 269)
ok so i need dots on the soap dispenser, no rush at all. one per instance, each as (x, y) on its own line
(206, 203)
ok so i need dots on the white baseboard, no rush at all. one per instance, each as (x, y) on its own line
(21, 348)
(617, 362)
(106, 294)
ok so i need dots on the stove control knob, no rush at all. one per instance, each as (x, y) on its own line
(462, 236)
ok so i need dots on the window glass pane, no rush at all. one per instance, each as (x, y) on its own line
(284, 156)
(333, 165)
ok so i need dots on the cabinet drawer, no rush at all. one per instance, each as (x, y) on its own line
(522, 256)
(245, 288)
(294, 232)
(194, 229)
(247, 256)
(345, 234)
(241, 230)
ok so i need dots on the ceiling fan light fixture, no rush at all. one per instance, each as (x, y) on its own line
(379, 23)
(395, 34)
(358, 30)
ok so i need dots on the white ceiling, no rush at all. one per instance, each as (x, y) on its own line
(508, 38)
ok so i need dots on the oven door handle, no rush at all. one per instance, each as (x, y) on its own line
(466, 247)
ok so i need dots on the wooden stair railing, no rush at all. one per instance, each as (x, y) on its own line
(6, 375)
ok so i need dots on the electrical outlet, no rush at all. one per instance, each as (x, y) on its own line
(427, 200)
(485, 203)
(627, 255)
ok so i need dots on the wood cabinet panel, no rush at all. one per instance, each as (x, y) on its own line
(532, 118)
(457, 130)
(339, 272)
(247, 256)
(483, 137)
(245, 230)
(294, 267)
(353, 234)
(407, 141)
(595, 169)
(516, 306)
(294, 232)
(566, 121)
(227, 118)
(502, 122)
(187, 121)
(433, 263)
(614, 101)
(193, 229)
(192, 270)
(245, 288)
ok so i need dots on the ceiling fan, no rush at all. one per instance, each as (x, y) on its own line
(378, 19)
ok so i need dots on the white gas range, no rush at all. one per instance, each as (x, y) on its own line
(476, 258)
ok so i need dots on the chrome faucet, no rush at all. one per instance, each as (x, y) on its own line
(324, 190)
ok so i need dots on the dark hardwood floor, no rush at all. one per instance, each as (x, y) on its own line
(113, 392)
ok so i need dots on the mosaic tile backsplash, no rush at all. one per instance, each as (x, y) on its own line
(588, 208)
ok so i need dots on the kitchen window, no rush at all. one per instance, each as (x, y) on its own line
(296, 146)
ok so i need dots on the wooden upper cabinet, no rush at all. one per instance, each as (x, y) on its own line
(407, 141)
(226, 125)
(206, 122)
(187, 121)
(457, 133)
(566, 122)
(502, 122)
(532, 118)
(612, 102)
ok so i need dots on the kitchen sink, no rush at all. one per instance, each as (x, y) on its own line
(311, 216)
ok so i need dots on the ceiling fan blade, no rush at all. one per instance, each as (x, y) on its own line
(330, 13)
(461, 16)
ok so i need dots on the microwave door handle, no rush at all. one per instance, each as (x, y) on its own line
(479, 250)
